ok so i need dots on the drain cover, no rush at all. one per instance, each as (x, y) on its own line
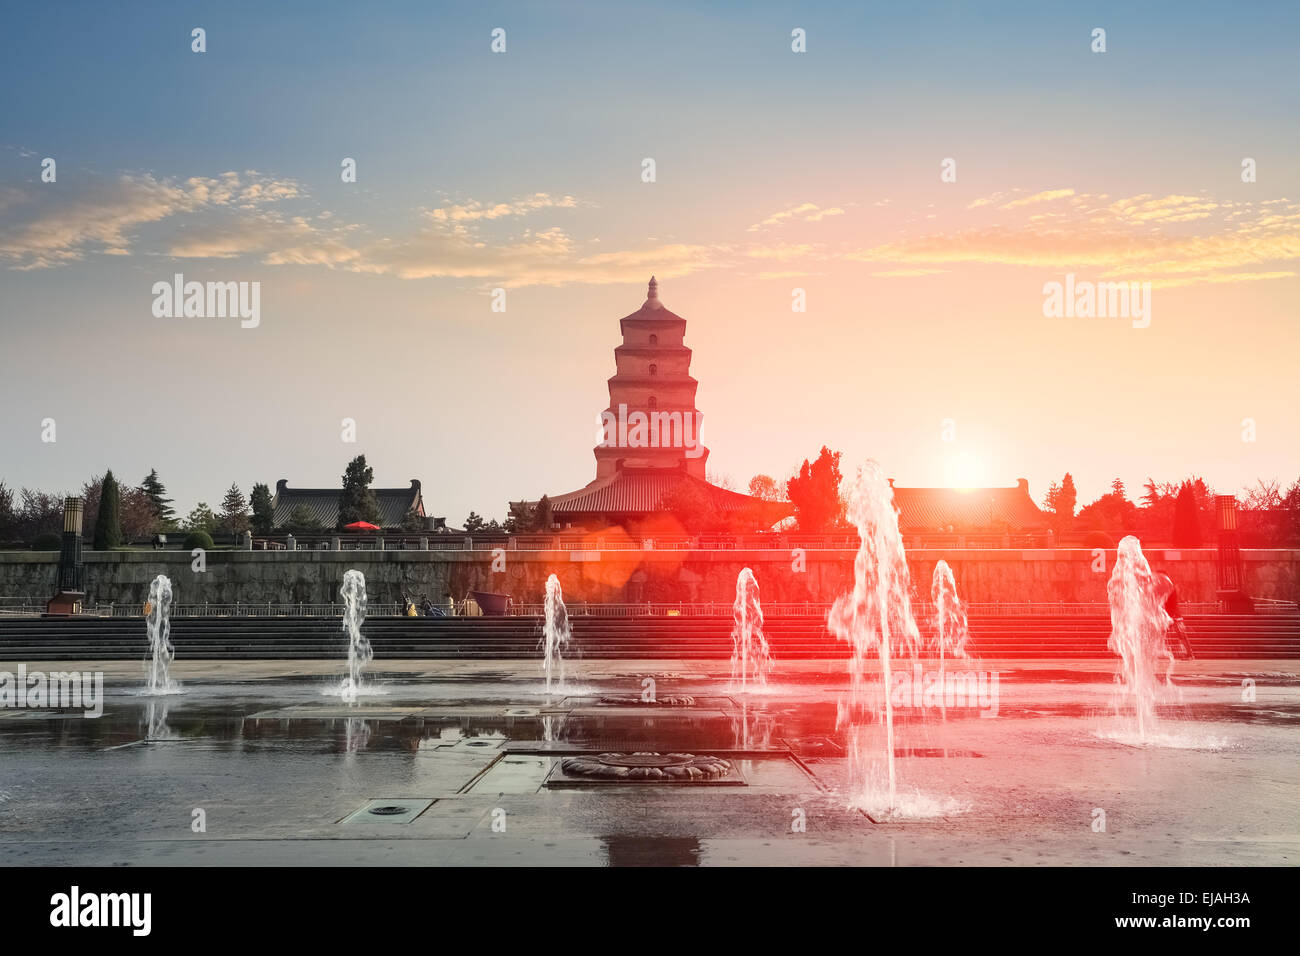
(675, 769)
(388, 811)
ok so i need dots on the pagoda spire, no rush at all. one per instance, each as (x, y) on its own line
(652, 296)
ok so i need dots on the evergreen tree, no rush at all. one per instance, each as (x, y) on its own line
(543, 520)
(1187, 519)
(263, 513)
(162, 505)
(815, 492)
(108, 522)
(358, 502)
(201, 519)
(234, 511)
(301, 519)
(473, 523)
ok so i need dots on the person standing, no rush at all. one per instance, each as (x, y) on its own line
(1176, 615)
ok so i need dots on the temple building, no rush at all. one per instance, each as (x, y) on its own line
(931, 510)
(321, 505)
(650, 458)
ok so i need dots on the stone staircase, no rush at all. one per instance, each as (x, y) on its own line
(1045, 637)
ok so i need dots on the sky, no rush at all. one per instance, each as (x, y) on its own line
(924, 343)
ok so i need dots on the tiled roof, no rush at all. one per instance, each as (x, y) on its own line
(640, 491)
(935, 509)
(323, 503)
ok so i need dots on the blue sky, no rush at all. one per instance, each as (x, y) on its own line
(375, 308)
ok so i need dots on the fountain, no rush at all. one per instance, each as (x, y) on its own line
(555, 632)
(750, 656)
(875, 617)
(951, 630)
(161, 652)
(360, 653)
(1137, 634)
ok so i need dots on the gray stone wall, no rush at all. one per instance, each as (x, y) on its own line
(313, 577)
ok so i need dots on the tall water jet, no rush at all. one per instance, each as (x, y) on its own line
(556, 632)
(751, 659)
(950, 627)
(1137, 634)
(360, 653)
(876, 617)
(161, 653)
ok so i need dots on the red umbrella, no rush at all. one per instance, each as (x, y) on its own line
(361, 526)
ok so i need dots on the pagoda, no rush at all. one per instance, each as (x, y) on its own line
(651, 445)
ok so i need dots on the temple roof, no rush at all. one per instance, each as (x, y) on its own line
(936, 509)
(323, 503)
(640, 491)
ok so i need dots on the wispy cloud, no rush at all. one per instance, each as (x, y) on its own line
(1136, 237)
(46, 226)
(804, 212)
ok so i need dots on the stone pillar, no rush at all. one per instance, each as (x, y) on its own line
(469, 543)
(334, 544)
(248, 541)
(379, 544)
(424, 544)
(291, 543)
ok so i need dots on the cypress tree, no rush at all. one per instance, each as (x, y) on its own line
(108, 523)
(1187, 519)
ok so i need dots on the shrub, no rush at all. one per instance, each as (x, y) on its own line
(198, 539)
(1098, 539)
(48, 541)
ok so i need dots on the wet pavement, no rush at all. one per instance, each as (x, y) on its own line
(257, 763)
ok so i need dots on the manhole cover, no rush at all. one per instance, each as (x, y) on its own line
(388, 811)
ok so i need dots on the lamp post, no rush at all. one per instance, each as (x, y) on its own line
(72, 569)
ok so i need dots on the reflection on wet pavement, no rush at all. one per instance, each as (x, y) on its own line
(276, 765)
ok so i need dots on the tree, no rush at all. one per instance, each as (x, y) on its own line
(543, 519)
(1187, 522)
(162, 505)
(358, 502)
(815, 492)
(412, 521)
(108, 521)
(234, 511)
(139, 514)
(263, 521)
(8, 517)
(302, 520)
(1111, 513)
(1059, 502)
(39, 513)
(690, 503)
(766, 488)
(201, 519)
(473, 523)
